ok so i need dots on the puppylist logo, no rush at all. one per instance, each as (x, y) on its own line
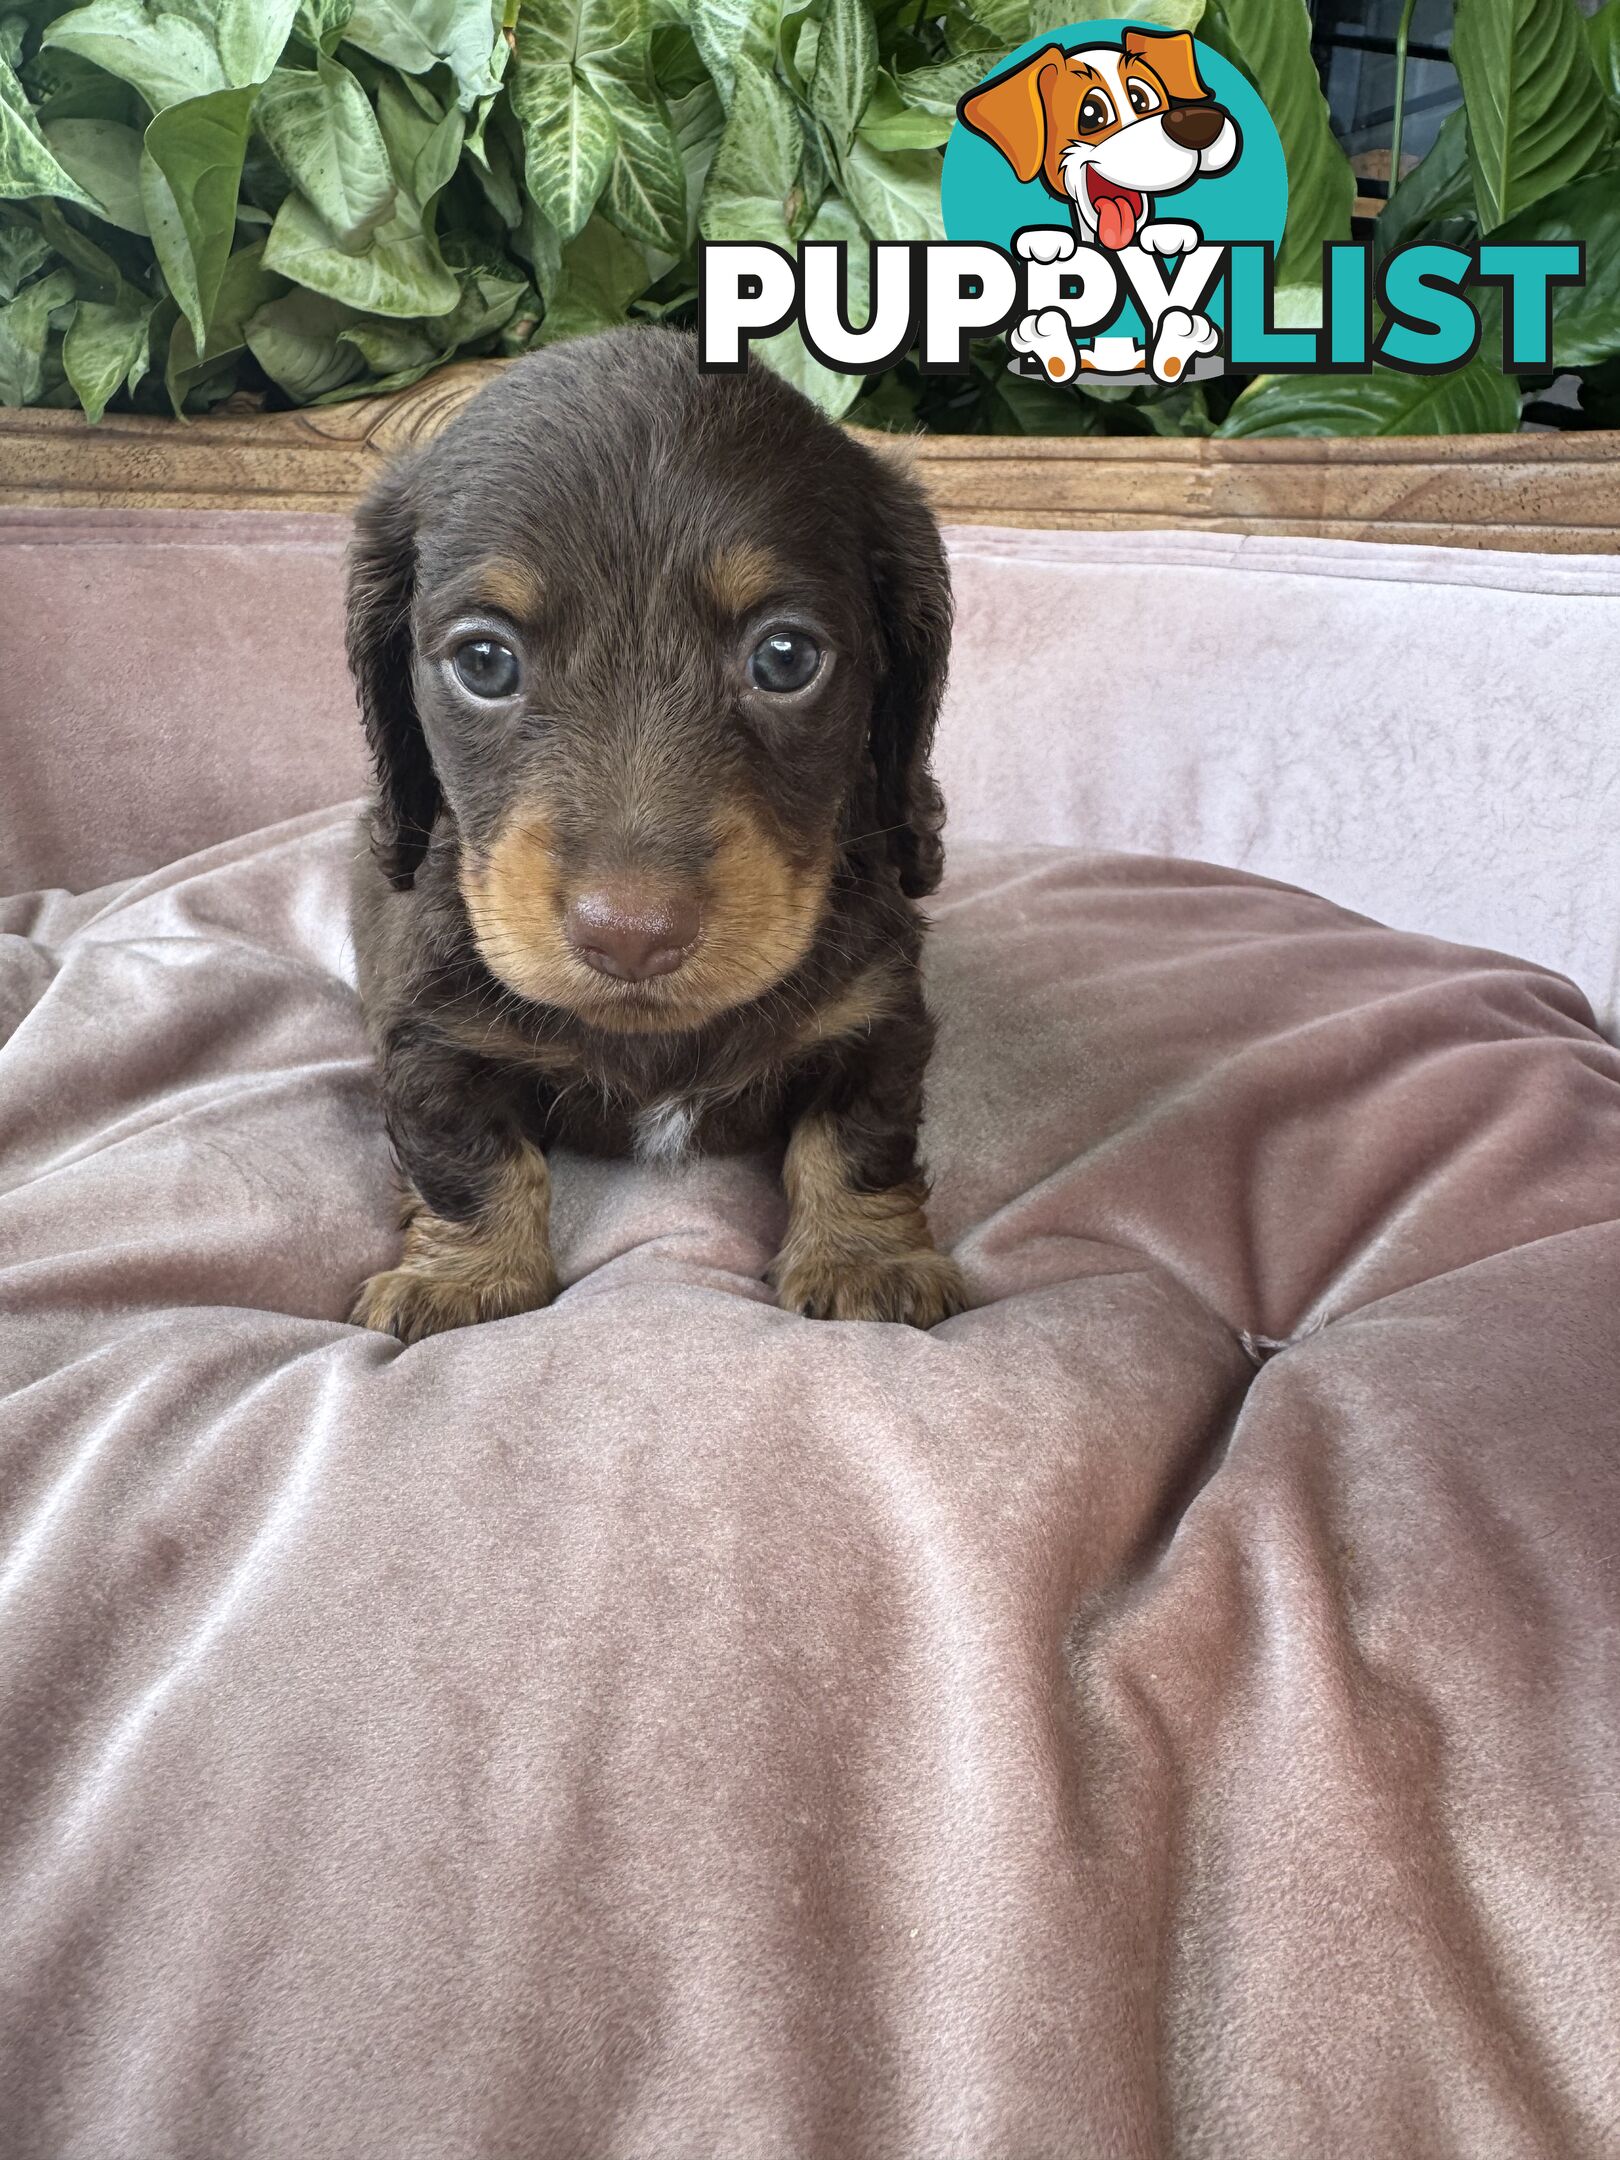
(1114, 198)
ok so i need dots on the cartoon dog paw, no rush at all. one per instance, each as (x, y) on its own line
(1177, 342)
(1047, 338)
(1169, 236)
(1045, 243)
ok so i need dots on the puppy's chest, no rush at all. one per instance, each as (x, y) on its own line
(668, 1125)
(665, 1130)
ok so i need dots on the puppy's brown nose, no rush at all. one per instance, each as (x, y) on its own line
(1194, 127)
(631, 936)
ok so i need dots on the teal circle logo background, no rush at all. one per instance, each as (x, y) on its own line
(982, 198)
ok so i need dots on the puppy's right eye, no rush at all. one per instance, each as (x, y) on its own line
(486, 667)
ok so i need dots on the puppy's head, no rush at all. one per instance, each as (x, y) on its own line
(651, 651)
(1108, 127)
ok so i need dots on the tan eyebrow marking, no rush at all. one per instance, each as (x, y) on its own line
(1085, 68)
(740, 577)
(512, 586)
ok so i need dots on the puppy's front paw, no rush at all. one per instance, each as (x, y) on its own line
(416, 1300)
(920, 1287)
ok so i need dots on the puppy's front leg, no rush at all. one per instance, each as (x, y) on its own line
(477, 1203)
(858, 1244)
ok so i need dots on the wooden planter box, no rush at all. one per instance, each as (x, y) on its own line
(1557, 492)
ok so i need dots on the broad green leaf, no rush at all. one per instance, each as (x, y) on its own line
(896, 194)
(13, 29)
(1603, 30)
(1021, 406)
(104, 346)
(699, 121)
(191, 169)
(407, 118)
(1439, 186)
(537, 241)
(415, 35)
(1183, 411)
(380, 385)
(27, 165)
(1476, 400)
(646, 188)
(398, 273)
(99, 276)
(25, 328)
(1048, 15)
(889, 123)
(1586, 318)
(940, 87)
(164, 55)
(395, 349)
(491, 288)
(890, 406)
(1007, 21)
(496, 166)
(321, 127)
(758, 156)
(596, 127)
(296, 340)
(569, 139)
(23, 250)
(250, 35)
(846, 70)
(386, 29)
(1271, 40)
(677, 65)
(1298, 307)
(437, 159)
(602, 274)
(105, 159)
(245, 285)
(321, 23)
(729, 31)
(64, 87)
(1537, 117)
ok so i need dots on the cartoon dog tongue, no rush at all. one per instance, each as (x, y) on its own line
(1117, 211)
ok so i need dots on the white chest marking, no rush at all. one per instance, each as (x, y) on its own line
(664, 1132)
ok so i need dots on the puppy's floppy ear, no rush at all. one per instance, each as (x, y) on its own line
(1011, 113)
(1170, 55)
(382, 586)
(912, 591)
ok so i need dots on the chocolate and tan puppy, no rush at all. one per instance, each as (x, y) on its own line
(649, 661)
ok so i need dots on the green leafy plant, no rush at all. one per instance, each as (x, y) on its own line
(300, 201)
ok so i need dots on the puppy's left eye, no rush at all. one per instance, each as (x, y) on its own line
(486, 667)
(786, 660)
(1142, 98)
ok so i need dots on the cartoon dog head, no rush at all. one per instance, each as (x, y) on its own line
(1108, 127)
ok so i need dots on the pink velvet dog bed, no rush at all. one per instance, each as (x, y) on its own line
(1171, 1707)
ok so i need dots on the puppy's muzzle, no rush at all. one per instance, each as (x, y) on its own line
(1194, 127)
(630, 934)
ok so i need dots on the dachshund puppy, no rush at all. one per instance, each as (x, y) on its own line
(649, 662)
